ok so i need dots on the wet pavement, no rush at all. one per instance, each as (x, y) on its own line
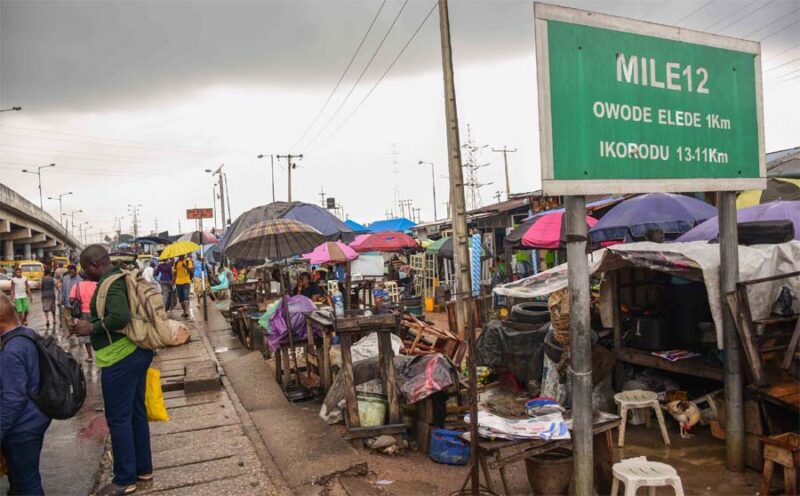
(72, 448)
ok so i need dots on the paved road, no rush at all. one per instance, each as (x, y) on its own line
(72, 448)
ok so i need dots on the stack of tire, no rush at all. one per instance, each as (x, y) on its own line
(532, 312)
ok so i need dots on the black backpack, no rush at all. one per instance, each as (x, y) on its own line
(62, 385)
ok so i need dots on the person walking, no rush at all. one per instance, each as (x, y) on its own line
(164, 275)
(48, 294)
(22, 424)
(81, 293)
(123, 368)
(184, 269)
(67, 281)
(21, 294)
(148, 274)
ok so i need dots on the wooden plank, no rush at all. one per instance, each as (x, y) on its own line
(389, 379)
(787, 358)
(740, 310)
(365, 432)
(692, 366)
(366, 323)
(351, 406)
(768, 279)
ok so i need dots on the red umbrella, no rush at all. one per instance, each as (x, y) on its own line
(547, 231)
(387, 241)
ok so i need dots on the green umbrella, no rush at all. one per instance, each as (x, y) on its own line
(436, 246)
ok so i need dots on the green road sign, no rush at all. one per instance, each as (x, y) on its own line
(627, 106)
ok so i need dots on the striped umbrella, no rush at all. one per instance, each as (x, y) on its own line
(274, 240)
(778, 188)
(199, 237)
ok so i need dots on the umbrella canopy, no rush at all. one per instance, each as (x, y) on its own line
(780, 210)
(399, 224)
(330, 252)
(387, 242)
(778, 188)
(315, 216)
(152, 240)
(444, 248)
(355, 226)
(671, 213)
(178, 249)
(436, 246)
(274, 240)
(546, 231)
(199, 237)
(359, 239)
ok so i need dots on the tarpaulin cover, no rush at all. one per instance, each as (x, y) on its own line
(355, 226)
(696, 260)
(277, 323)
(521, 352)
(400, 224)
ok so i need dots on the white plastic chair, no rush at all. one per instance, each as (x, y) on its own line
(629, 400)
(639, 472)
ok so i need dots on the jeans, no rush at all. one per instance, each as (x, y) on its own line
(123, 396)
(22, 450)
(168, 293)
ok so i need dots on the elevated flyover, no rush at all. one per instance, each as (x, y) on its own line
(27, 231)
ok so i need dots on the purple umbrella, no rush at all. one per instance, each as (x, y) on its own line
(779, 210)
(671, 213)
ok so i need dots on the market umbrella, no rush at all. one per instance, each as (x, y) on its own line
(199, 237)
(436, 246)
(177, 249)
(359, 239)
(779, 210)
(274, 240)
(387, 242)
(671, 213)
(778, 188)
(330, 252)
(444, 248)
(546, 231)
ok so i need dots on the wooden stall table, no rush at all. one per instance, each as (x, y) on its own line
(497, 454)
(321, 355)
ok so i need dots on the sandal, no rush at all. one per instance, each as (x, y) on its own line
(116, 490)
(145, 477)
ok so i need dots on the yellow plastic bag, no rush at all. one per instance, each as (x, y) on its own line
(154, 398)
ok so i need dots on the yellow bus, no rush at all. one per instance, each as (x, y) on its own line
(33, 270)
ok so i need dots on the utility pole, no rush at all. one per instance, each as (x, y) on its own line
(498, 195)
(156, 226)
(433, 183)
(219, 172)
(322, 197)
(214, 206)
(272, 172)
(459, 213)
(505, 151)
(134, 210)
(291, 166)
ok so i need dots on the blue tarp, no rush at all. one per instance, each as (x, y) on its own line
(401, 224)
(356, 227)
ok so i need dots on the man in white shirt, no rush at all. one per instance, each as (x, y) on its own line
(21, 294)
(149, 276)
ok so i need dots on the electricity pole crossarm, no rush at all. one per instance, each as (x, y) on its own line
(291, 165)
(505, 151)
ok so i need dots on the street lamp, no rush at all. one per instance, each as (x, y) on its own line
(39, 173)
(16, 109)
(222, 186)
(433, 182)
(71, 215)
(272, 170)
(60, 204)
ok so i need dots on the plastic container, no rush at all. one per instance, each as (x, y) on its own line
(551, 472)
(429, 304)
(415, 311)
(447, 447)
(371, 409)
(338, 304)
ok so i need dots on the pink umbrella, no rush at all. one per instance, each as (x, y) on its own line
(548, 231)
(359, 239)
(331, 252)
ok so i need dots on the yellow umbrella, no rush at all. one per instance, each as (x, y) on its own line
(177, 249)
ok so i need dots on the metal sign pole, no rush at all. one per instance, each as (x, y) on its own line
(203, 274)
(580, 345)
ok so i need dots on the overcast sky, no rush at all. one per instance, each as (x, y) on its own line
(133, 100)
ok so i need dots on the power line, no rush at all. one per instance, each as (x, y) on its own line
(781, 65)
(729, 15)
(352, 88)
(695, 11)
(780, 76)
(782, 52)
(762, 28)
(21, 150)
(736, 21)
(779, 31)
(382, 75)
(341, 77)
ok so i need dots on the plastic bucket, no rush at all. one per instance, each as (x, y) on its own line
(371, 409)
(551, 472)
(429, 304)
(448, 447)
(415, 310)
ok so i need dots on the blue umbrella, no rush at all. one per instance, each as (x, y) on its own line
(779, 210)
(671, 213)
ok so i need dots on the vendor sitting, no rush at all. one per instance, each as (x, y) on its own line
(308, 288)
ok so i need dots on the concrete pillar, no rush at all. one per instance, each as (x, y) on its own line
(26, 250)
(39, 253)
(8, 250)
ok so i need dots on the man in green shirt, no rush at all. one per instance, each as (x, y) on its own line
(124, 372)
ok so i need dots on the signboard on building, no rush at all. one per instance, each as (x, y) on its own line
(628, 106)
(200, 213)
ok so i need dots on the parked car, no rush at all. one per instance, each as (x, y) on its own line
(5, 283)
